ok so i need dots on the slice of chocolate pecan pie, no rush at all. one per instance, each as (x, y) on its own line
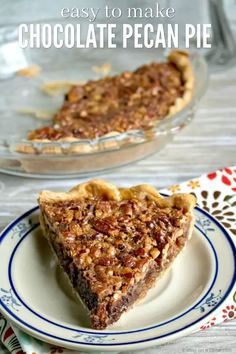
(113, 243)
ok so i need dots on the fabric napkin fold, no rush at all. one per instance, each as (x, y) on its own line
(216, 193)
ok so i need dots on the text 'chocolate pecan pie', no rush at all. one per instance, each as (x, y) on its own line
(113, 243)
(113, 105)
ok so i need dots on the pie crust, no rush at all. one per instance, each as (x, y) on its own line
(113, 243)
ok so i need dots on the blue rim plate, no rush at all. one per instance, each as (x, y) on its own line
(35, 296)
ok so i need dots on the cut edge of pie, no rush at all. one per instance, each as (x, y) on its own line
(182, 62)
(106, 307)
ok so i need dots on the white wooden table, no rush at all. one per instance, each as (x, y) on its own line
(207, 144)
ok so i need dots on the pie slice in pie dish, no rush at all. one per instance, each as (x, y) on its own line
(113, 243)
(132, 100)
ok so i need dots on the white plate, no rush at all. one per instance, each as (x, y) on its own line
(36, 297)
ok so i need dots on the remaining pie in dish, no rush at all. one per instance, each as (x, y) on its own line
(113, 243)
(113, 105)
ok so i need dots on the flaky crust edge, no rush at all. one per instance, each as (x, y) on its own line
(179, 58)
(108, 191)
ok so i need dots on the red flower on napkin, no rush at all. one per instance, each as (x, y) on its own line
(209, 323)
(227, 176)
(229, 313)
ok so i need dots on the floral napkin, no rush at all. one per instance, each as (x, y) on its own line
(216, 193)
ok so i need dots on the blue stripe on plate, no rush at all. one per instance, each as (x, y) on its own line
(104, 332)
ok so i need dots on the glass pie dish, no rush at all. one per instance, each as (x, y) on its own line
(96, 155)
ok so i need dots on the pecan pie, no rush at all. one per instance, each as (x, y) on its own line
(113, 243)
(112, 105)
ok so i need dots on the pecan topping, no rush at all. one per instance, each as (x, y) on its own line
(105, 261)
(132, 100)
(129, 261)
(115, 242)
